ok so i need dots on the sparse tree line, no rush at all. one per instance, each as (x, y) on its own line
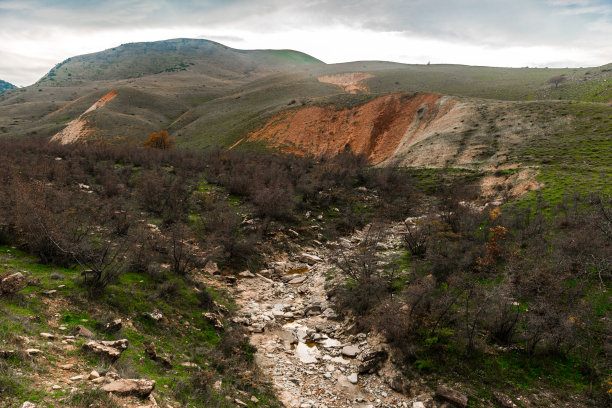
(108, 209)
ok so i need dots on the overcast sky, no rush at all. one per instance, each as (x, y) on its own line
(35, 35)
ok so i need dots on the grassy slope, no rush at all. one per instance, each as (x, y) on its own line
(186, 335)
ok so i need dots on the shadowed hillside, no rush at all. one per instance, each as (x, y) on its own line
(5, 86)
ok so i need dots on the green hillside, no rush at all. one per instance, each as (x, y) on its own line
(136, 60)
(6, 86)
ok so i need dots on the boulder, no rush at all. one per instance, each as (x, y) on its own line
(246, 274)
(350, 351)
(110, 350)
(503, 400)
(83, 332)
(215, 318)
(12, 283)
(113, 326)
(398, 384)
(310, 259)
(455, 397)
(371, 361)
(136, 387)
(298, 280)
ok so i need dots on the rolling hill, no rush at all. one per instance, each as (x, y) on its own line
(207, 95)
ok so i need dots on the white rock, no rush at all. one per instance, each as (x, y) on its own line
(350, 351)
(331, 343)
(418, 404)
(353, 379)
(77, 378)
(307, 355)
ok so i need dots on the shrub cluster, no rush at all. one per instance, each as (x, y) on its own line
(533, 279)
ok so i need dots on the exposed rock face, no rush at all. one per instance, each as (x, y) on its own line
(450, 395)
(382, 128)
(12, 283)
(110, 350)
(140, 388)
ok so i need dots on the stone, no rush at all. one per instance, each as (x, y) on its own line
(109, 349)
(418, 404)
(241, 403)
(329, 313)
(33, 351)
(215, 319)
(503, 400)
(56, 387)
(307, 355)
(113, 326)
(293, 233)
(455, 397)
(93, 375)
(28, 404)
(246, 274)
(298, 280)
(48, 336)
(397, 384)
(154, 315)
(371, 361)
(66, 366)
(254, 399)
(98, 380)
(83, 332)
(7, 353)
(350, 351)
(353, 379)
(137, 387)
(77, 378)
(310, 259)
(12, 283)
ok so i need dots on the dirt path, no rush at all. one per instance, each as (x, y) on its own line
(305, 351)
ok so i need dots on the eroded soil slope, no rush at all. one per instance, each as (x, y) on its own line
(351, 82)
(376, 129)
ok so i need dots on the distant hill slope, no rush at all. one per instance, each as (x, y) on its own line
(136, 60)
(206, 94)
(5, 86)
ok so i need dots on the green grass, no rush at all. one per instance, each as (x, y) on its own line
(574, 158)
(184, 335)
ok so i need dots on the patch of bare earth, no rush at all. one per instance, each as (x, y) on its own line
(78, 128)
(377, 129)
(351, 82)
(511, 186)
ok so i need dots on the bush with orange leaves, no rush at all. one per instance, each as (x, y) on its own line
(160, 140)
